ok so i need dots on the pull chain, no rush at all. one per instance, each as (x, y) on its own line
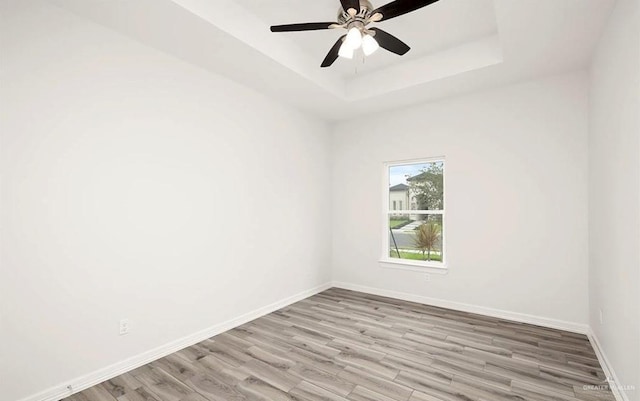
(356, 64)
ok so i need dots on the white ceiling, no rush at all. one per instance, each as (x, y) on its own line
(458, 46)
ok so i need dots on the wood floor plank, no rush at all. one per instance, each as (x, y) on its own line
(466, 343)
(164, 386)
(276, 377)
(397, 363)
(311, 392)
(533, 379)
(420, 396)
(197, 351)
(373, 368)
(323, 379)
(481, 389)
(360, 393)
(389, 388)
(409, 378)
(342, 345)
(194, 397)
(462, 369)
(140, 394)
(216, 387)
(255, 389)
(176, 366)
(98, 393)
(538, 393)
(121, 385)
(440, 389)
(270, 358)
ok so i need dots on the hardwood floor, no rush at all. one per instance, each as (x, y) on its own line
(343, 345)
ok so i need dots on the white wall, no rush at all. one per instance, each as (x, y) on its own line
(117, 165)
(516, 197)
(614, 196)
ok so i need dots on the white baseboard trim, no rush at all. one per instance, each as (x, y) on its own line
(614, 382)
(502, 314)
(78, 384)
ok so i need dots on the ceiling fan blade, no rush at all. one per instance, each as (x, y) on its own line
(401, 7)
(311, 26)
(347, 4)
(390, 42)
(332, 56)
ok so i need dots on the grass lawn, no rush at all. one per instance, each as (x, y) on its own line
(398, 223)
(414, 256)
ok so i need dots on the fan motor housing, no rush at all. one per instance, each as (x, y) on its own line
(365, 9)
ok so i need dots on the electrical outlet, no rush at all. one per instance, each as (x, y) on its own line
(427, 277)
(601, 317)
(124, 327)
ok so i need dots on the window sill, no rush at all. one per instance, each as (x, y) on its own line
(436, 268)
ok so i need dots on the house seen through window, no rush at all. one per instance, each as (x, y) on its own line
(415, 213)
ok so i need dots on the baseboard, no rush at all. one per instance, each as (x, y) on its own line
(614, 383)
(78, 384)
(502, 314)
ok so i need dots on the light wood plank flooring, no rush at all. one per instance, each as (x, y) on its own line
(343, 345)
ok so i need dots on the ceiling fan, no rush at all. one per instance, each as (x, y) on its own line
(355, 16)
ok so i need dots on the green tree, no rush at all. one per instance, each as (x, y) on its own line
(428, 187)
(427, 237)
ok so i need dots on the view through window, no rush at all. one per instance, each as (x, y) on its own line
(415, 212)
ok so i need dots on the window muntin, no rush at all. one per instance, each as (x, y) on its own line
(415, 236)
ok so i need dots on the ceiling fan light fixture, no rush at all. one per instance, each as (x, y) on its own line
(355, 16)
(369, 45)
(354, 38)
(345, 51)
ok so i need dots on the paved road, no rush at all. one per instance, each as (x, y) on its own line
(403, 239)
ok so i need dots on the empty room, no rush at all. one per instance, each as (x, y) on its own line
(320, 200)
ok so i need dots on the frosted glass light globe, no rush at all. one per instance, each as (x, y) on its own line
(354, 38)
(345, 51)
(369, 45)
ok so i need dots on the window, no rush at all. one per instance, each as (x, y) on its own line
(415, 237)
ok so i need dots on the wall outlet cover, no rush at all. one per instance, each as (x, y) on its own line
(124, 327)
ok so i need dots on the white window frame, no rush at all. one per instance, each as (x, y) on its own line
(405, 264)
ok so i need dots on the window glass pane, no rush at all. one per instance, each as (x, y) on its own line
(417, 186)
(415, 237)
